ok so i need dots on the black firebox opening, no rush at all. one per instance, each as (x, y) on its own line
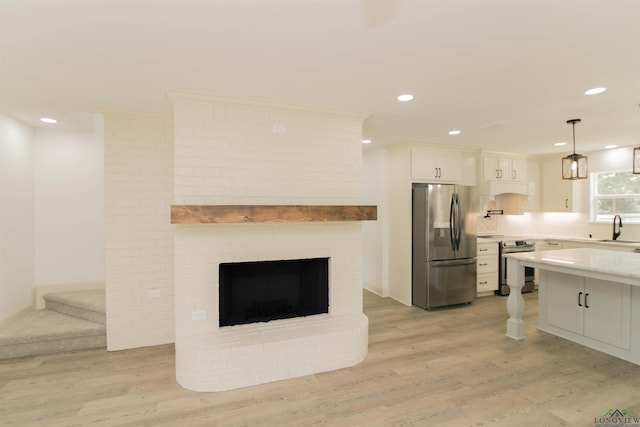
(268, 290)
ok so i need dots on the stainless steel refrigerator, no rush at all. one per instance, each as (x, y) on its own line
(444, 245)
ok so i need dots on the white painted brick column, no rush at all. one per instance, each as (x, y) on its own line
(243, 152)
(138, 233)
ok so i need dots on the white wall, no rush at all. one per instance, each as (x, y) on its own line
(17, 240)
(138, 231)
(399, 211)
(69, 201)
(375, 238)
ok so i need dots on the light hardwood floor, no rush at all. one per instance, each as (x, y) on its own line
(448, 367)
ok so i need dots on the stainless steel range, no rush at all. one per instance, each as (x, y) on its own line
(510, 247)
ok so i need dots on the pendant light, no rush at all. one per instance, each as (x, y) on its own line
(574, 166)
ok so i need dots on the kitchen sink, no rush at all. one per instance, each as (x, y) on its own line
(620, 241)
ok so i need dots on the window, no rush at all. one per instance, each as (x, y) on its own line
(615, 193)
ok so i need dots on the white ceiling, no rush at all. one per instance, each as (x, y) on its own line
(507, 73)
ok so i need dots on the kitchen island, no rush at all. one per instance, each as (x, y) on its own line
(589, 296)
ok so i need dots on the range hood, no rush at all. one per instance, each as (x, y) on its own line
(509, 197)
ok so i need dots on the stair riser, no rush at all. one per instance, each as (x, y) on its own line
(81, 313)
(53, 346)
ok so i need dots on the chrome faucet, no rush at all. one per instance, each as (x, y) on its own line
(616, 234)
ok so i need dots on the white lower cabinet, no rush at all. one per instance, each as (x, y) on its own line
(584, 307)
(487, 267)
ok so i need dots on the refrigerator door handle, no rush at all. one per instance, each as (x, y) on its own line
(459, 222)
(450, 262)
(452, 223)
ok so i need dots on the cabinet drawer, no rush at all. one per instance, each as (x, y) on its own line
(490, 248)
(487, 264)
(487, 282)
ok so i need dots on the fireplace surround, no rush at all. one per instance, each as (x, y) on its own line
(256, 181)
(214, 358)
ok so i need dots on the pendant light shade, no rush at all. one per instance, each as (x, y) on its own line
(574, 166)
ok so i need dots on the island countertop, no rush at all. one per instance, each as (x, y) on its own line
(608, 264)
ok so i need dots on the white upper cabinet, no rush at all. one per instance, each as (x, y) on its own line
(502, 168)
(557, 193)
(428, 165)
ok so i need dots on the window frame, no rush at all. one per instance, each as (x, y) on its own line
(594, 215)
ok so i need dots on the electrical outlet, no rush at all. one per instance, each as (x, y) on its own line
(199, 315)
(279, 129)
(153, 293)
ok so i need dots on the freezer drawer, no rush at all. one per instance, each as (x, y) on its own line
(448, 283)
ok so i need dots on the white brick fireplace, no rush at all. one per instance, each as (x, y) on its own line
(230, 152)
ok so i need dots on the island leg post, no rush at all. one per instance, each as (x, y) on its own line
(515, 302)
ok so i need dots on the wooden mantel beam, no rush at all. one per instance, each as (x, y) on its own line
(221, 214)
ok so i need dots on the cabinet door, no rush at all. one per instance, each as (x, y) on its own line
(564, 300)
(498, 168)
(436, 166)
(490, 168)
(451, 165)
(517, 169)
(504, 168)
(556, 192)
(607, 312)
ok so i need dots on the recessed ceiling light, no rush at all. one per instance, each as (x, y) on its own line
(406, 97)
(48, 120)
(595, 91)
(560, 144)
(610, 146)
(454, 132)
(366, 141)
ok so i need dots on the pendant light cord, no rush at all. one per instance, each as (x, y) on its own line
(573, 122)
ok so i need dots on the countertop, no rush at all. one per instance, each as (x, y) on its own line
(603, 242)
(613, 264)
